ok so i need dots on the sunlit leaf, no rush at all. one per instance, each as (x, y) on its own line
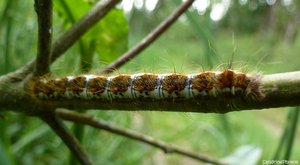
(70, 10)
(111, 36)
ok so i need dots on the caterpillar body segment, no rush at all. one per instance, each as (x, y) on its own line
(174, 86)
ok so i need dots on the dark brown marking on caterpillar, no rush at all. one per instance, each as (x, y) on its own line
(225, 79)
(240, 80)
(52, 88)
(97, 85)
(77, 85)
(119, 84)
(145, 83)
(174, 83)
(204, 81)
(205, 85)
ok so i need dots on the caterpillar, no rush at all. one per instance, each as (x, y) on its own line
(150, 86)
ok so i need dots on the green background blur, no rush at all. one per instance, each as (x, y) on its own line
(256, 36)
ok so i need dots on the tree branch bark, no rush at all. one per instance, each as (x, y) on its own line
(59, 128)
(280, 90)
(167, 148)
(16, 89)
(150, 38)
(43, 9)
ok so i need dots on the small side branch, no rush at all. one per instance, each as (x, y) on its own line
(144, 43)
(43, 9)
(67, 39)
(59, 128)
(84, 119)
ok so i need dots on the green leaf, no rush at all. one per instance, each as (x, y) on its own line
(71, 10)
(111, 36)
(70, 13)
(108, 38)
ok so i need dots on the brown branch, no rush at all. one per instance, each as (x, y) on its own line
(59, 128)
(280, 90)
(43, 9)
(84, 119)
(144, 43)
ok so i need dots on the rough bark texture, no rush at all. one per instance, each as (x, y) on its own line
(280, 90)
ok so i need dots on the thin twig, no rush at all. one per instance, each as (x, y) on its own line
(84, 119)
(66, 40)
(43, 9)
(144, 43)
(59, 128)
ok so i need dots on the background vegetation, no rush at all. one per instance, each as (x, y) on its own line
(262, 35)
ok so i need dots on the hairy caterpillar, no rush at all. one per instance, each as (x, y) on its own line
(204, 85)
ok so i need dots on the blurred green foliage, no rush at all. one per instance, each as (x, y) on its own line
(108, 38)
(259, 43)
